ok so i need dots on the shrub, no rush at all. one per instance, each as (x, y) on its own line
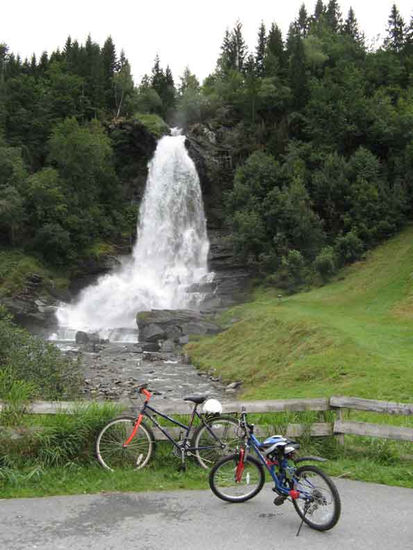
(349, 248)
(36, 362)
(325, 263)
(154, 124)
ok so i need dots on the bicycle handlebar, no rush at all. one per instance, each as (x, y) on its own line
(243, 421)
(143, 389)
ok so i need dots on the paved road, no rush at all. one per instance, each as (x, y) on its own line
(373, 517)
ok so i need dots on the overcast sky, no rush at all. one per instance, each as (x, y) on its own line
(183, 32)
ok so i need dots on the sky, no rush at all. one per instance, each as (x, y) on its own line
(182, 32)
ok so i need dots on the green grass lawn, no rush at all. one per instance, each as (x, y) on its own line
(353, 336)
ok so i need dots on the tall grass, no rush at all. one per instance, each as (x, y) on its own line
(59, 440)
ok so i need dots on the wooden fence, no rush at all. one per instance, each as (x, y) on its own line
(339, 427)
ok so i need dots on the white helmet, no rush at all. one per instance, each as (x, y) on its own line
(212, 406)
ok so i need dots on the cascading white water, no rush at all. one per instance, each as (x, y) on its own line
(170, 253)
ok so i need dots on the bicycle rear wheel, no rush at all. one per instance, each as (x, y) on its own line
(229, 483)
(218, 439)
(113, 454)
(319, 503)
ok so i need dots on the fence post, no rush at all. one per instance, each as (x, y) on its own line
(340, 416)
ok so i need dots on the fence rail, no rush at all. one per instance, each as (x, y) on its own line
(339, 427)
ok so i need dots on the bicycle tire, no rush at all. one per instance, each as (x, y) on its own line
(207, 448)
(325, 494)
(111, 452)
(224, 485)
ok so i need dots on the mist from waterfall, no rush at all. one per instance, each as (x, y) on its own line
(169, 256)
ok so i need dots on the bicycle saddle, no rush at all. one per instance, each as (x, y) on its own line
(196, 398)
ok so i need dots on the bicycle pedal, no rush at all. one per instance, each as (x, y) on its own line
(279, 500)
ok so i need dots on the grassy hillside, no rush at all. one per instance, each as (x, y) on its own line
(353, 336)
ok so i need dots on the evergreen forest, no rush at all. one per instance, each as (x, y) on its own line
(317, 127)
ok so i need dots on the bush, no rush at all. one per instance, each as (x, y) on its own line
(154, 124)
(36, 362)
(349, 248)
(292, 273)
(325, 263)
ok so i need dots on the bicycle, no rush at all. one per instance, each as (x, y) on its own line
(240, 477)
(129, 442)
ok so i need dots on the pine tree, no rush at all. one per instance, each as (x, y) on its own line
(68, 47)
(239, 46)
(303, 21)
(260, 50)
(43, 63)
(158, 76)
(3, 61)
(169, 94)
(351, 27)
(333, 16)
(233, 51)
(110, 65)
(225, 61)
(252, 85)
(33, 65)
(319, 10)
(297, 68)
(396, 31)
(275, 59)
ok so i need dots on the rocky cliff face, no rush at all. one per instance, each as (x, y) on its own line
(133, 146)
(215, 161)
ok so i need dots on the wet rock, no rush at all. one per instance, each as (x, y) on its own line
(82, 337)
(168, 346)
(151, 332)
(202, 287)
(165, 324)
(149, 346)
(233, 385)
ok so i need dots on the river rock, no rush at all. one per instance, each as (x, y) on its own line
(151, 332)
(168, 346)
(165, 324)
(82, 337)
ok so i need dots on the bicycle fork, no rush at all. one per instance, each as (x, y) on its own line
(240, 466)
(133, 432)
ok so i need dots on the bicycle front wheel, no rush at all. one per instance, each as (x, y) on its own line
(230, 483)
(218, 438)
(319, 502)
(111, 451)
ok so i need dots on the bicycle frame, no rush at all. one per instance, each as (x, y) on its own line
(181, 445)
(279, 486)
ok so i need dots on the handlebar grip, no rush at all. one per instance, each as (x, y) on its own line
(143, 389)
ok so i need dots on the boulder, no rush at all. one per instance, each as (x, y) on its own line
(82, 337)
(151, 332)
(173, 325)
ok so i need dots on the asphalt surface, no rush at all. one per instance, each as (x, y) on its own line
(373, 517)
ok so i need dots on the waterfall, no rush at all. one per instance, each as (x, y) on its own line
(169, 256)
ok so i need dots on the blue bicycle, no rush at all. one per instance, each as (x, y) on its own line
(240, 476)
